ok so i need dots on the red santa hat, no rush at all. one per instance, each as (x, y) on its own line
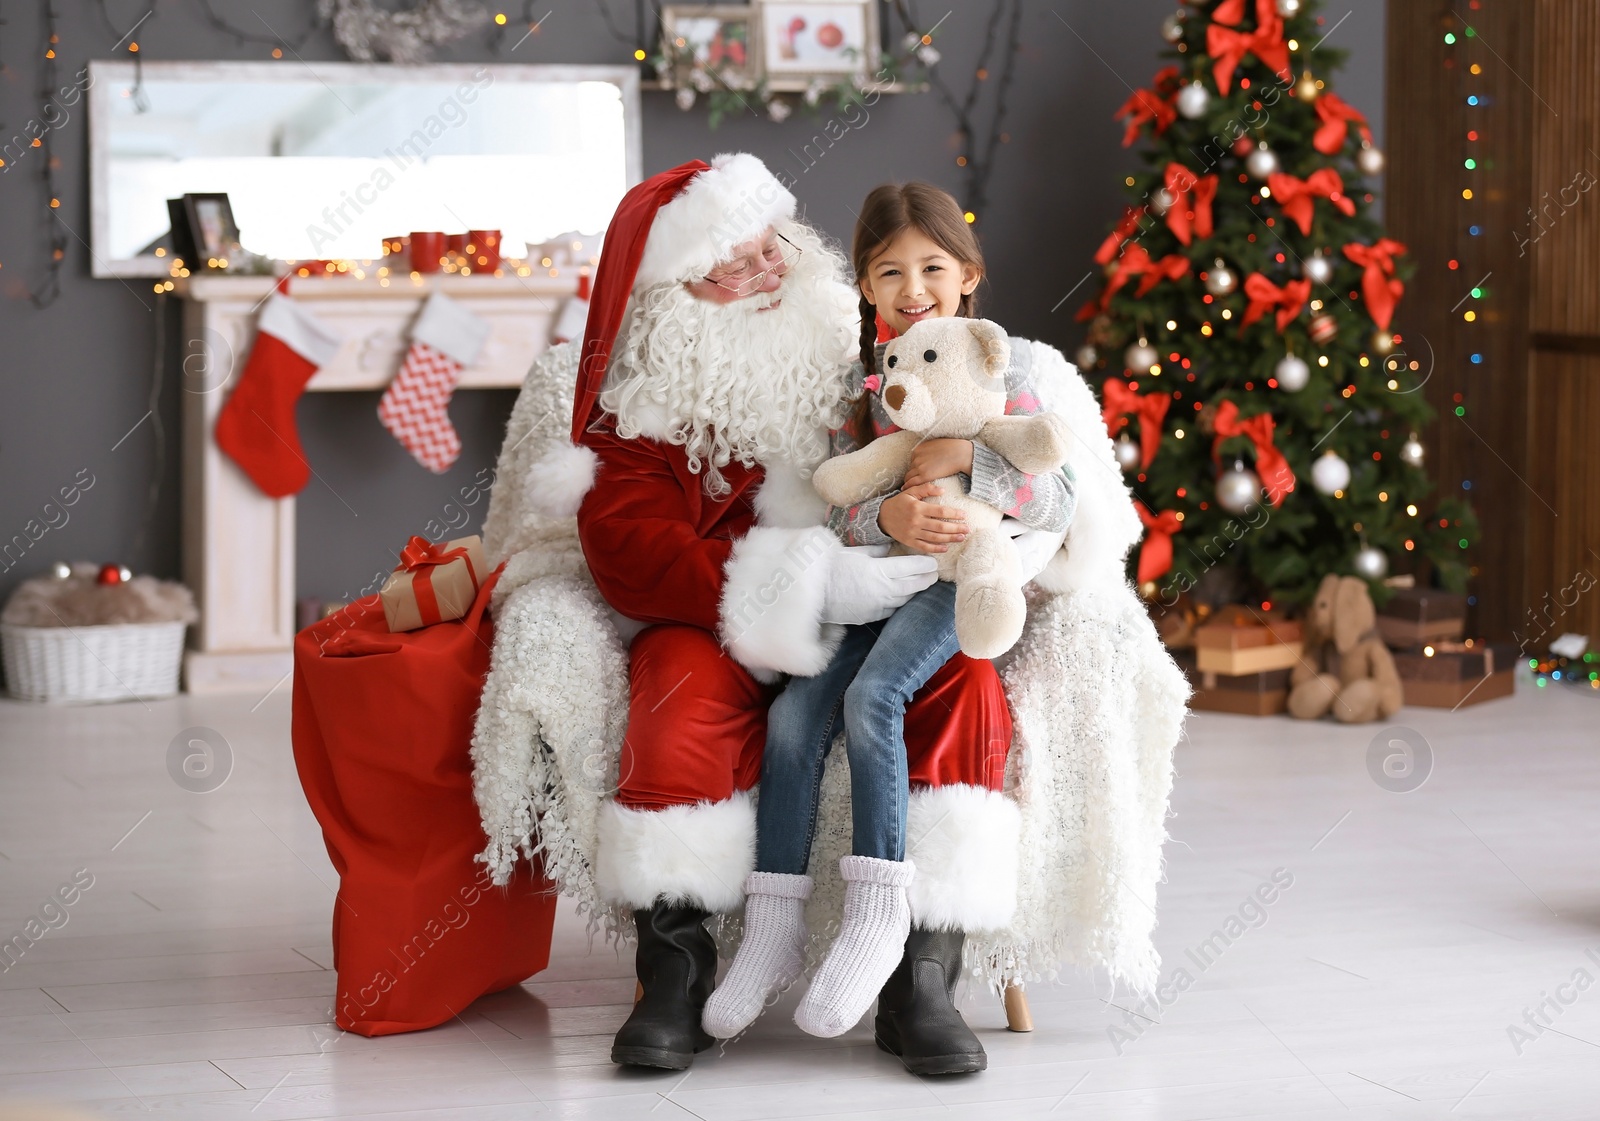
(678, 225)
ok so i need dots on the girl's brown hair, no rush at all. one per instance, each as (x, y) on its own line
(889, 211)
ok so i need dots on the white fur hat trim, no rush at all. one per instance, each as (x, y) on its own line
(730, 203)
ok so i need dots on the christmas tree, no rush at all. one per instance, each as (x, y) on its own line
(1265, 410)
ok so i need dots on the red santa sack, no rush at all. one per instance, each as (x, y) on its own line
(382, 729)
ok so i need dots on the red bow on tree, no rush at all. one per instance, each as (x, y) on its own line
(1136, 261)
(1228, 47)
(1150, 105)
(1379, 286)
(1121, 400)
(1191, 202)
(1231, 12)
(1155, 555)
(1265, 295)
(1294, 195)
(1270, 464)
(1131, 219)
(1336, 115)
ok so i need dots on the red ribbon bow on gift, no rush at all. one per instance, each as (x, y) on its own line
(1379, 286)
(1155, 555)
(421, 557)
(1191, 202)
(1121, 400)
(1265, 295)
(1271, 466)
(1154, 105)
(1228, 47)
(1109, 248)
(1294, 195)
(1336, 115)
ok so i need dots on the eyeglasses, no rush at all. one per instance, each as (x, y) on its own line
(786, 258)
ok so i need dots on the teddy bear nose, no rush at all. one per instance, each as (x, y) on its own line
(894, 396)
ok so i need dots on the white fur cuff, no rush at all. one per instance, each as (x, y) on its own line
(964, 841)
(695, 855)
(560, 478)
(774, 589)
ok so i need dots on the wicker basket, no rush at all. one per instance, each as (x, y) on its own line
(104, 663)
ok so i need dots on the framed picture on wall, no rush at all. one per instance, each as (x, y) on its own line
(802, 39)
(717, 38)
(212, 230)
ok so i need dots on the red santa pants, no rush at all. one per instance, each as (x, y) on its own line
(697, 723)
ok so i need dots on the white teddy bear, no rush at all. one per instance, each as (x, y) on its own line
(946, 378)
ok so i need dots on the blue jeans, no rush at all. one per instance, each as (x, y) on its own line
(877, 670)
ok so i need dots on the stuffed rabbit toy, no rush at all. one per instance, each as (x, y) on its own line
(1346, 670)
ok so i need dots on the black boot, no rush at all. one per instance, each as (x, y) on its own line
(677, 964)
(917, 1017)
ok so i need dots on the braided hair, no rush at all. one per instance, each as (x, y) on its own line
(889, 211)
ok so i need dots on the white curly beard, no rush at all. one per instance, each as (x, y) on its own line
(759, 379)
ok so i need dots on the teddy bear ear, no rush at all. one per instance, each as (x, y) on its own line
(994, 344)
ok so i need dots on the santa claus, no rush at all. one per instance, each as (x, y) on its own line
(622, 725)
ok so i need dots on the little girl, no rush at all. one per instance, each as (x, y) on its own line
(915, 258)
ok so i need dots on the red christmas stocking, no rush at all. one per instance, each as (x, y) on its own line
(445, 339)
(256, 427)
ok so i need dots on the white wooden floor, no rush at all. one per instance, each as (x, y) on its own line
(192, 978)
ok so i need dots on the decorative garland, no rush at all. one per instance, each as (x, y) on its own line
(368, 32)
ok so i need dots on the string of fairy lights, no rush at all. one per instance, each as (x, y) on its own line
(1475, 225)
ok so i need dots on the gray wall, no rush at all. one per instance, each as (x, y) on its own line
(77, 375)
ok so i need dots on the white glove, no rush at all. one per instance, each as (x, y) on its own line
(1035, 547)
(865, 584)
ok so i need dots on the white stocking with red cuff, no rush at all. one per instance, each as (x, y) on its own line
(445, 339)
(574, 315)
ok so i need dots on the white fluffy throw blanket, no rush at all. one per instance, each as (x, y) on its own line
(1097, 704)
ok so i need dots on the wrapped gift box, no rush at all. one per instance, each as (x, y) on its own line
(1416, 616)
(1249, 694)
(1240, 642)
(434, 583)
(1450, 674)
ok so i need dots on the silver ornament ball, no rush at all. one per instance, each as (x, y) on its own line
(1412, 452)
(685, 98)
(1317, 268)
(1261, 163)
(1330, 474)
(1172, 27)
(1238, 488)
(1220, 280)
(1288, 8)
(1127, 453)
(1370, 563)
(1161, 200)
(1087, 357)
(1193, 100)
(1140, 357)
(1291, 373)
(1370, 159)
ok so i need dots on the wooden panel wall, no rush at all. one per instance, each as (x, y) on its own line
(1565, 224)
(1428, 118)
(1564, 379)
(1563, 571)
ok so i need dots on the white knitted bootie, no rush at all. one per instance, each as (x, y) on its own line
(871, 940)
(771, 956)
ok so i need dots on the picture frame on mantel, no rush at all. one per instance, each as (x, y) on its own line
(809, 40)
(718, 38)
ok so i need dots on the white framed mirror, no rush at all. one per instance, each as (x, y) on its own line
(325, 160)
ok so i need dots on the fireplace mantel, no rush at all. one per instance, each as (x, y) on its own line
(238, 544)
